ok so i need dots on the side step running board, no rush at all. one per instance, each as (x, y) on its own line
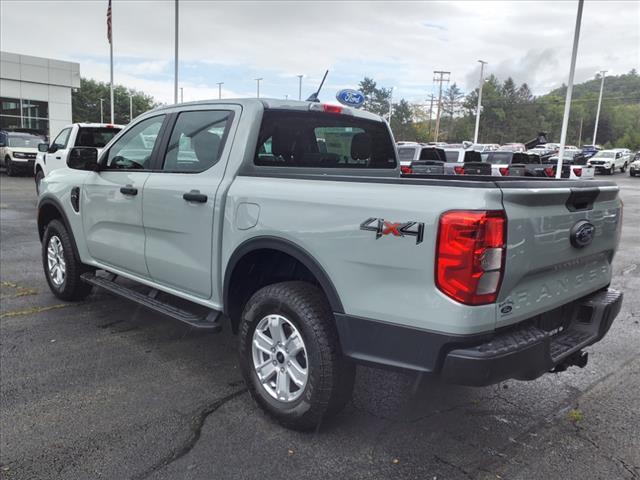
(209, 321)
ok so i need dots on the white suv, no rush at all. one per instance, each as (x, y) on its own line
(54, 156)
(18, 150)
(606, 161)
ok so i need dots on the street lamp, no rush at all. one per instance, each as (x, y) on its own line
(181, 94)
(220, 90)
(595, 130)
(101, 113)
(475, 135)
(300, 87)
(130, 107)
(258, 84)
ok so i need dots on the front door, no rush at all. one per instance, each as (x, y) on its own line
(56, 156)
(179, 200)
(112, 199)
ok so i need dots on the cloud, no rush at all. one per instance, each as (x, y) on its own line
(397, 43)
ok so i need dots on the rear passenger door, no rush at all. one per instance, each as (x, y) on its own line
(179, 201)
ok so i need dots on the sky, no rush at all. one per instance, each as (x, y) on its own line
(399, 44)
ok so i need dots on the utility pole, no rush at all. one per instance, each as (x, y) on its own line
(300, 87)
(390, 105)
(175, 67)
(130, 108)
(439, 76)
(580, 134)
(101, 114)
(220, 90)
(567, 101)
(258, 84)
(181, 95)
(431, 99)
(595, 130)
(475, 135)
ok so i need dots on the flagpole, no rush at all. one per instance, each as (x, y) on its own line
(175, 86)
(110, 25)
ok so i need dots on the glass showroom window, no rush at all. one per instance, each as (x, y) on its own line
(16, 113)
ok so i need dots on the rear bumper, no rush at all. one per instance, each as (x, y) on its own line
(523, 352)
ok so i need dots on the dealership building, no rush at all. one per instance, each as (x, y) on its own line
(35, 93)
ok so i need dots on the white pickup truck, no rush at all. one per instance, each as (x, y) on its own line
(54, 156)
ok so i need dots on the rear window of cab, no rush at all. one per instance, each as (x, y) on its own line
(323, 140)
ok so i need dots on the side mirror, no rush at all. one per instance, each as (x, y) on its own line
(43, 147)
(83, 158)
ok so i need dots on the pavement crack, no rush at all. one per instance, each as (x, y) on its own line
(632, 469)
(197, 422)
(452, 465)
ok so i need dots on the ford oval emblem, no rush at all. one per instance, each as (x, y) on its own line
(350, 98)
(582, 234)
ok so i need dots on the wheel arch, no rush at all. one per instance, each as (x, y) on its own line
(263, 247)
(50, 209)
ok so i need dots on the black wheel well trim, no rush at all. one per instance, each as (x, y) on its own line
(63, 216)
(290, 248)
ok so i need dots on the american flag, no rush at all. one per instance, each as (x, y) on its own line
(109, 22)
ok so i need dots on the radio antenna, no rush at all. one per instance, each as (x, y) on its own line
(314, 96)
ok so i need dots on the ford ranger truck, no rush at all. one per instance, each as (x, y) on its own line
(290, 223)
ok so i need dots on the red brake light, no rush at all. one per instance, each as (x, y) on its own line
(470, 255)
(331, 108)
(577, 171)
(109, 126)
(405, 170)
(550, 172)
(504, 171)
(459, 170)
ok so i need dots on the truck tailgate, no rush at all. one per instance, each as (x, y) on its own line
(547, 265)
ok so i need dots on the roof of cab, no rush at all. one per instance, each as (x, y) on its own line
(274, 104)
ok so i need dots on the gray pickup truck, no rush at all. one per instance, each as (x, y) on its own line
(289, 221)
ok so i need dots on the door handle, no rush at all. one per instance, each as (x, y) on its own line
(195, 196)
(58, 158)
(128, 190)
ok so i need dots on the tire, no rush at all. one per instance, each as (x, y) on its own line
(612, 170)
(329, 376)
(38, 178)
(65, 282)
(9, 168)
(623, 168)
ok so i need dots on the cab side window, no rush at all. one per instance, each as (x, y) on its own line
(61, 140)
(197, 141)
(133, 150)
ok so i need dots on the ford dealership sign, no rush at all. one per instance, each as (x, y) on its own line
(350, 98)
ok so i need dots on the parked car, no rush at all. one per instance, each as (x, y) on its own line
(504, 163)
(18, 151)
(512, 147)
(590, 150)
(634, 167)
(458, 160)
(319, 259)
(54, 156)
(410, 153)
(484, 147)
(574, 166)
(606, 161)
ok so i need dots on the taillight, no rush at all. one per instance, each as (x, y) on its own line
(405, 170)
(504, 171)
(458, 170)
(577, 171)
(470, 255)
(550, 172)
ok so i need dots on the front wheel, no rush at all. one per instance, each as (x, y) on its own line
(290, 355)
(612, 170)
(38, 178)
(61, 268)
(624, 167)
(9, 167)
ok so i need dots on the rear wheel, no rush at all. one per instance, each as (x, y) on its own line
(290, 355)
(62, 269)
(624, 167)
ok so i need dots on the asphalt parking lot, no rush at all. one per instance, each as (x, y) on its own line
(103, 389)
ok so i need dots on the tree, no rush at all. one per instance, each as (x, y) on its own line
(86, 102)
(376, 100)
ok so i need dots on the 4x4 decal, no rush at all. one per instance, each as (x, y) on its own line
(397, 229)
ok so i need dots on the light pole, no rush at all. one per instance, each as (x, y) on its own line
(130, 107)
(181, 94)
(220, 90)
(258, 84)
(475, 135)
(300, 87)
(567, 101)
(390, 105)
(101, 113)
(595, 130)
